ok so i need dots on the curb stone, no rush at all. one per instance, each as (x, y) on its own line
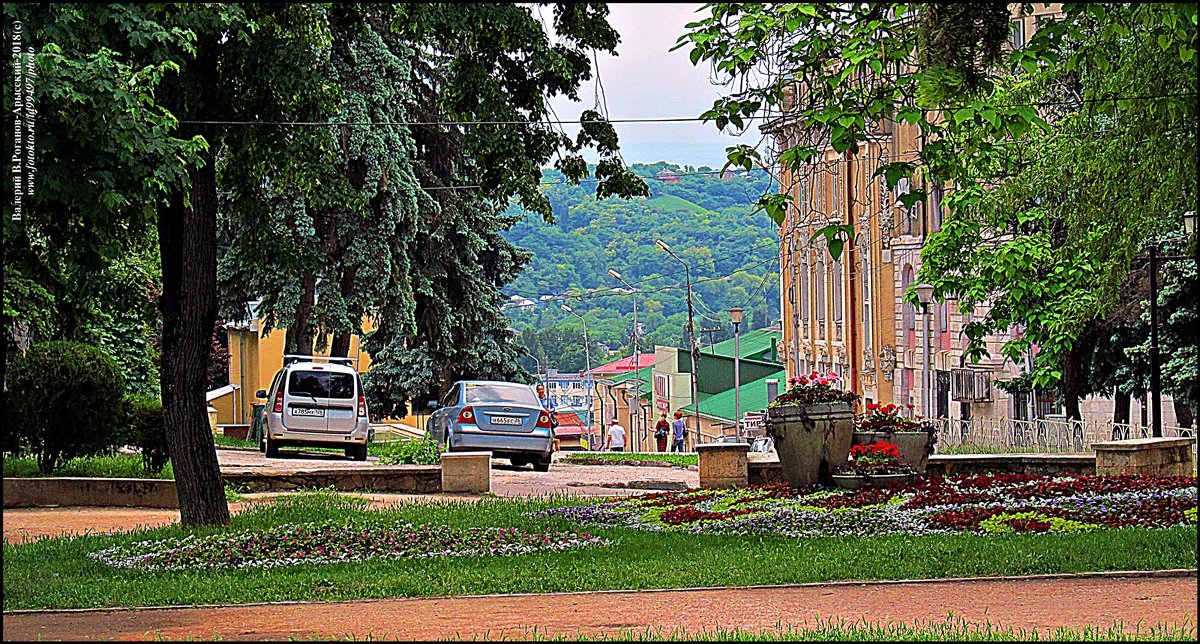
(1116, 574)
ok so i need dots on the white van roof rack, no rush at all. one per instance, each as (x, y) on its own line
(295, 357)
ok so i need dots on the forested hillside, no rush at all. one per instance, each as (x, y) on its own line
(705, 219)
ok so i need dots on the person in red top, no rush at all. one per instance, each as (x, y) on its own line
(661, 430)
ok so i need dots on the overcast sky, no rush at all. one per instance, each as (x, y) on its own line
(647, 80)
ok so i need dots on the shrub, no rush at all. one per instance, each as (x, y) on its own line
(66, 400)
(409, 452)
(145, 431)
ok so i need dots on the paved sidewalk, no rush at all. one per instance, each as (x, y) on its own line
(1024, 604)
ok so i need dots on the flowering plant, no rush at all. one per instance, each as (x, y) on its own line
(890, 418)
(875, 458)
(813, 389)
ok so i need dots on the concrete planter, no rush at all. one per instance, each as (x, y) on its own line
(914, 446)
(812, 440)
(858, 482)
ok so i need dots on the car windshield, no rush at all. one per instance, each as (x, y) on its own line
(321, 384)
(501, 392)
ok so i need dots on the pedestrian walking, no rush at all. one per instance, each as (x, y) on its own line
(661, 431)
(680, 428)
(615, 441)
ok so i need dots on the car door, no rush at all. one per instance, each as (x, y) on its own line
(444, 416)
(306, 400)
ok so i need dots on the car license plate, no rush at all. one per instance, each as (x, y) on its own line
(505, 420)
(308, 411)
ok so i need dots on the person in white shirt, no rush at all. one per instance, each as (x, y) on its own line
(616, 437)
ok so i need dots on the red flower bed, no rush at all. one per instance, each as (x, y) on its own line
(688, 514)
(855, 499)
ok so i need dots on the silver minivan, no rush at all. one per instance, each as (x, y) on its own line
(316, 404)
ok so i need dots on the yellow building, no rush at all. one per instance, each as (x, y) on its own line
(848, 316)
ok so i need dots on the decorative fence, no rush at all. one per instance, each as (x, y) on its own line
(1041, 435)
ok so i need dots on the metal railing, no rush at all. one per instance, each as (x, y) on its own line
(1041, 435)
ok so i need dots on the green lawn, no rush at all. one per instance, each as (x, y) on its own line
(683, 460)
(114, 466)
(56, 573)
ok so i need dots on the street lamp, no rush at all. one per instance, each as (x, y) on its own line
(587, 355)
(925, 296)
(634, 417)
(1189, 226)
(735, 316)
(693, 345)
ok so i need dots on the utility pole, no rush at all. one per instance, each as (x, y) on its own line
(693, 345)
(635, 417)
(712, 345)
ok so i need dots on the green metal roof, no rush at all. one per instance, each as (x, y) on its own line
(753, 398)
(645, 373)
(754, 345)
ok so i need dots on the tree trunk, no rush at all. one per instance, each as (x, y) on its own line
(1183, 414)
(1070, 384)
(1121, 406)
(341, 344)
(299, 339)
(188, 246)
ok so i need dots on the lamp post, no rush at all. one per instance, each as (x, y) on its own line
(693, 345)
(634, 417)
(925, 296)
(1189, 224)
(735, 316)
(587, 356)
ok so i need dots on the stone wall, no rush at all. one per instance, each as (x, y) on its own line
(410, 479)
(1146, 456)
(66, 491)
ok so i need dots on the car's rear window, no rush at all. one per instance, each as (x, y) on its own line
(321, 384)
(517, 394)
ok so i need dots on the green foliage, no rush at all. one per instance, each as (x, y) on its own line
(110, 466)
(1070, 193)
(408, 452)
(145, 430)
(65, 400)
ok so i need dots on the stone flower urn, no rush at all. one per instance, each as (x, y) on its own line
(812, 440)
(915, 447)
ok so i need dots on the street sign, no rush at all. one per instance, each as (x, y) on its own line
(662, 405)
(753, 420)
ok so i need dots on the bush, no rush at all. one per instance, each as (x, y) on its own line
(66, 400)
(145, 431)
(409, 452)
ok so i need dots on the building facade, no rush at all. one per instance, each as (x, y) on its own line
(849, 316)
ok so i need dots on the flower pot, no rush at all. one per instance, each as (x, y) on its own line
(914, 446)
(859, 481)
(812, 440)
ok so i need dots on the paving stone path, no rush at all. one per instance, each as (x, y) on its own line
(1043, 604)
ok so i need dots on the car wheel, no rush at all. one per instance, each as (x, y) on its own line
(542, 465)
(271, 448)
(358, 452)
(518, 462)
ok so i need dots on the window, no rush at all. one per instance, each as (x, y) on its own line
(1016, 37)
(836, 269)
(321, 384)
(517, 394)
(805, 278)
(909, 311)
(820, 287)
(908, 216)
(936, 213)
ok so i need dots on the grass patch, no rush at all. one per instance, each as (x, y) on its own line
(102, 466)
(57, 573)
(682, 460)
(229, 441)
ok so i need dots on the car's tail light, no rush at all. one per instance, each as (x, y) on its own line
(544, 420)
(362, 406)
(467, 415)
(279, 402)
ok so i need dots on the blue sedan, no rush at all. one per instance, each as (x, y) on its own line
(505, 418)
